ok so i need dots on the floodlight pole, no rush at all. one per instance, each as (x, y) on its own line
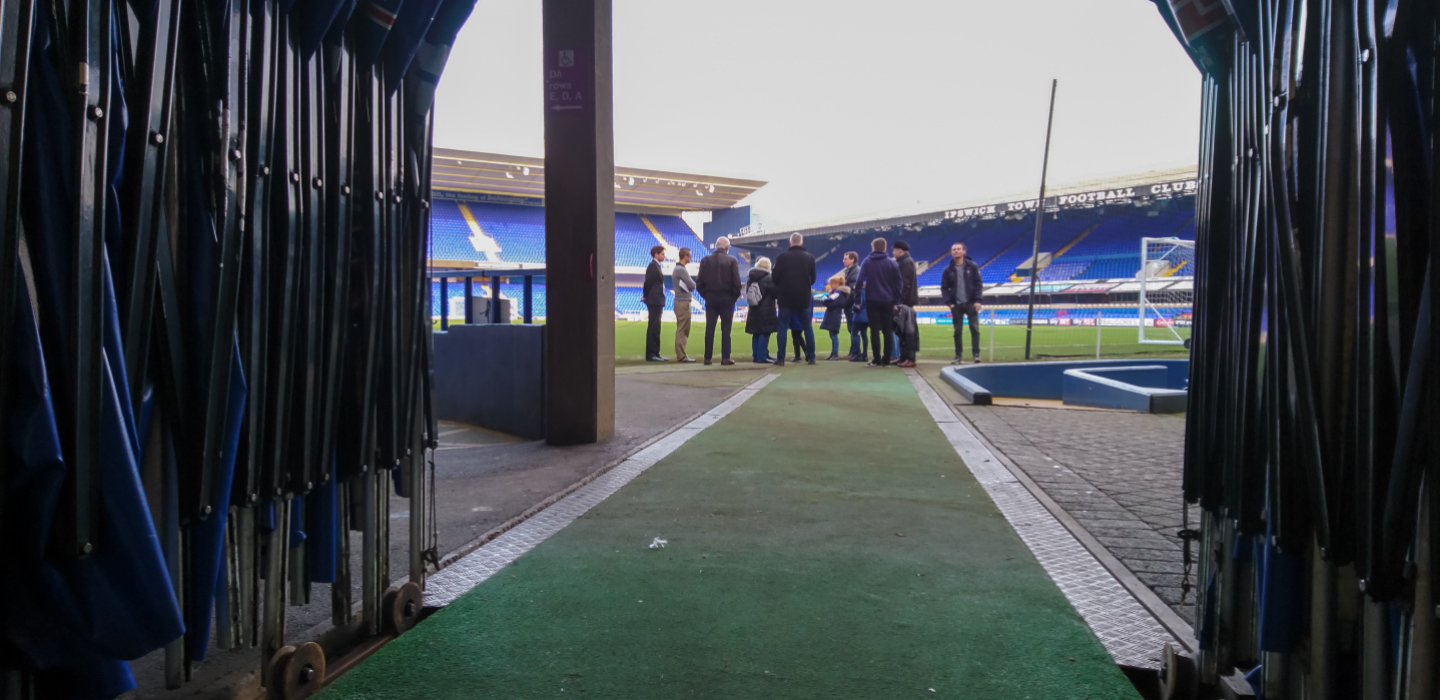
(1039, 219)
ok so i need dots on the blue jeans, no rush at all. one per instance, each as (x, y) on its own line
(834, 343)
(797, 319)
(760, 347)
(895, 354)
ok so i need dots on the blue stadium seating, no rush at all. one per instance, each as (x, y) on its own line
(520, 231)
(1110, 250)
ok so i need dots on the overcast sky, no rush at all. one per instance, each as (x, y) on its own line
(851, 108)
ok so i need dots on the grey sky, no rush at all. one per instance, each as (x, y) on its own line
(851, 108)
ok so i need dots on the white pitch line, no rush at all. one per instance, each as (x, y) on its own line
(474, 568)
(1127, 630)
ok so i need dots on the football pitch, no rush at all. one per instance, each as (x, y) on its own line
(936, 343)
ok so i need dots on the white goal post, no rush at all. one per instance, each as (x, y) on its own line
(1167, 290)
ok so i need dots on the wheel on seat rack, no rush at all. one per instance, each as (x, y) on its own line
(297, 672)
(402, 607)
(1177, 675)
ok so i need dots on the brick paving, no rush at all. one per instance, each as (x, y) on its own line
(1116, 473)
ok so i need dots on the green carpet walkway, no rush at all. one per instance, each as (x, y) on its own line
(825, 541)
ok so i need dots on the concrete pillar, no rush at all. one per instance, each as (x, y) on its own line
(579, 223)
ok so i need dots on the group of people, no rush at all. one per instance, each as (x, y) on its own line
(877, 297)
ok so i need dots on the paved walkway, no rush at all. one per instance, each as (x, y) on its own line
(1117, 473)
(817, 548)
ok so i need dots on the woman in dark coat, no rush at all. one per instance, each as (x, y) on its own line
(837, 298)
(762, 319)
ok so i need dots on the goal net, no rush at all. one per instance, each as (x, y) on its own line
(1167, 290)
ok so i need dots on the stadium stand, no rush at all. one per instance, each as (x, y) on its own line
(1086, 245)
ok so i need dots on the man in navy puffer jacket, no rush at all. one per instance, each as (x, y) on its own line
(880, 278)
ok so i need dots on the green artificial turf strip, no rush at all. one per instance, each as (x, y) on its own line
(825, 541)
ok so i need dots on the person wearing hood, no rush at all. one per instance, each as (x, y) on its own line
(761, 320)
(880, 278)
(794, 279)
(837, 300)
(961, 289)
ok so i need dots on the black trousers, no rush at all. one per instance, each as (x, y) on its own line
(652, 331)
(722, 310)
(882, 322)
(958, 313)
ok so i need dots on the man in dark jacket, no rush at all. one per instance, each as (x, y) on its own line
(909, 295)
(880, 279)
(852, 274)
(719, 285)
(654, 294)
(794, 278)
(961, 289)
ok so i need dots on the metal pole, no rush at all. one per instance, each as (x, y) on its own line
(495, 300)
(469, 295)
(1099, 317)
(445, 304)
(1039, 219)
(992, 335)
(529, 286)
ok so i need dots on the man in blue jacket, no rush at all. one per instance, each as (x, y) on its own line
(880, 278)
(961, 288)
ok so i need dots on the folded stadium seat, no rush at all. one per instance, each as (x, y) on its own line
(679, 234)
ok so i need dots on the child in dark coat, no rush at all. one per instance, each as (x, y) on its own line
(837, 297)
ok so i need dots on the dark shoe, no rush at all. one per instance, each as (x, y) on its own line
(795, 358)
(832, 358)
(727, 361)
(707, 363)
(857, 358)
(810, 362)
(779, 362)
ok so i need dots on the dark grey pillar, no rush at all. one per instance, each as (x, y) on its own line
(579, 223)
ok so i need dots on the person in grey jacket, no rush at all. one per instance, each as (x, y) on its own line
(680, 280)
(961, 289)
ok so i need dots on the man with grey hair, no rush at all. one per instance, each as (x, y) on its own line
(794, 277)
(719, 285)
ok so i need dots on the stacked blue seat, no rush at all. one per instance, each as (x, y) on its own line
(450, 235)
(679, 234)
(1114, 243)
(1053, 235)
(1065, 268)
(633, 241)
(520, 231)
